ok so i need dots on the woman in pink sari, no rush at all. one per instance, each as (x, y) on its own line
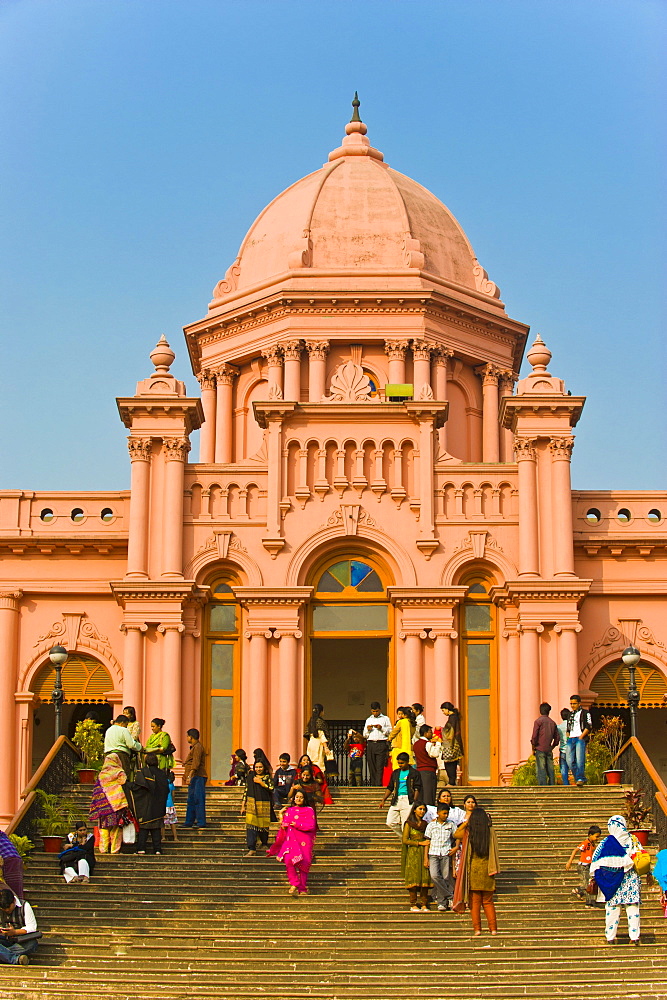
(294, 843)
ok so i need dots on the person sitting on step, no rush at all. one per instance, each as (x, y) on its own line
(77, 860)
(18, 933)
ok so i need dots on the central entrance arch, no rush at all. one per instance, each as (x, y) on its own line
(350, 644)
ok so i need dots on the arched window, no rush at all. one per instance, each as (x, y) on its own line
(479, 679)
(345, 586)
(223, 630)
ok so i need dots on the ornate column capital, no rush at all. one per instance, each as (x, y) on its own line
(226, 375)
(412, 633)
(422, 349)
(133, 627)
(10, 599)
(441, 355)
(273, 355)
(287, 634)
(395, 349)
(317, 349)
(568, 627)
(506, 382)
(524, 449)
(561, 447)
(489, 373)
(258, 633)
(176, 449)
(139, 449)
(207, 379)
(292, 350)
(171, 627)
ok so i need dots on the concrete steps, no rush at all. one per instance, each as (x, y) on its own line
(203, 921)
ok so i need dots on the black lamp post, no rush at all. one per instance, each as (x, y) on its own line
(631, 657)
(58, 656)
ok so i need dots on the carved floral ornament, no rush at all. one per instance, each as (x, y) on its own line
(628, 632)
(317, 349)
(561, 447)
(349, 517)
(349, 384)
(73, 625)
(176, 449)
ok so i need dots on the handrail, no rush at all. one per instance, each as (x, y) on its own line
(23, 811)
(659, 788)
(46, 763)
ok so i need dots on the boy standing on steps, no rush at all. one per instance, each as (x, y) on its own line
(195, 776)
(585, 849)
(405, 788)
(579, 726)
(437, 848)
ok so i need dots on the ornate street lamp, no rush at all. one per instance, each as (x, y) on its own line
(58, 656)
(631, 657)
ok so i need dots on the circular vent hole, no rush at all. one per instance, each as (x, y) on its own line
(77, 514)
(46, 515)
(654, 516)
(624, 515)
(593, 515)
(107, 514)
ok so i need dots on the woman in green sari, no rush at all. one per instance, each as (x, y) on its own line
(414, 871)
(158, 743)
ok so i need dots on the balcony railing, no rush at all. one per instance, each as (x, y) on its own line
(639, 772)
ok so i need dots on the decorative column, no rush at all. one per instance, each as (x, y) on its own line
(421, 357)
(441, 358)
(133, 666)
(286, 723)
(256, 709)
(176, 450)
(561, 497)
(506, 387)
(490, 426)
(190, 672)
(410, 679)
(444, 679)
(395, 351)
(526, 458)
(10, 602)
(568, 663)
(171, 682)
(137, 542)
(317, 369)
(223, 420)
(207, 381)
(274, 361)
(292, 370)
(509, 691)
(529, 675)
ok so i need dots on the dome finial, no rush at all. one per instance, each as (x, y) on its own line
(356, 104)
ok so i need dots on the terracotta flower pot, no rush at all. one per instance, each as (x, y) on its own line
(613, 777)
(87, 776)
(52, 845)
(641, 835)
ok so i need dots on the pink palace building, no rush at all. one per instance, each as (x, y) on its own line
(380, 510)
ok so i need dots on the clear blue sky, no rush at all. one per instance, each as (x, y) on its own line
(142, 137)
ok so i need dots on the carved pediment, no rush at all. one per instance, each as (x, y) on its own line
(349, 384)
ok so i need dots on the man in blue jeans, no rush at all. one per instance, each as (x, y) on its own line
(544, 739)
(579, 726)
(195, 776)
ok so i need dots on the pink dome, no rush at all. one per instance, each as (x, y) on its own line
(355, 214)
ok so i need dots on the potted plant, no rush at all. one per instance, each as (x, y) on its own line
(23, 845)
(610, 734)
(57, 818)
(635, 816)
(88, 739)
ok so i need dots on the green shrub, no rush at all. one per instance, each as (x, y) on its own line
(23, 845)
(526, 774)
(598, 760)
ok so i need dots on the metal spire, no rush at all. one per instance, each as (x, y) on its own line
(356, 103)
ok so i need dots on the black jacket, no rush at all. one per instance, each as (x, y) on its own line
(414, 782)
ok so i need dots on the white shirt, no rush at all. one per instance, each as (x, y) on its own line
(456, 815)
(576, 729)
(29, 921)
(377, 734)
(440, 835)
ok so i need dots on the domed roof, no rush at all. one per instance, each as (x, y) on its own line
(355, 214)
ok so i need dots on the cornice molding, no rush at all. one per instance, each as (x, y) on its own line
(419, 597)
(139, 590)
(273, 596)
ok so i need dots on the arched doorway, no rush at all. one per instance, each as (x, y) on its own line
(479, 679)
(611, 688)
(350, 655)
(86, 683)
(220, 685)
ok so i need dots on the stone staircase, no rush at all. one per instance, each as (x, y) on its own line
(203, 921)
